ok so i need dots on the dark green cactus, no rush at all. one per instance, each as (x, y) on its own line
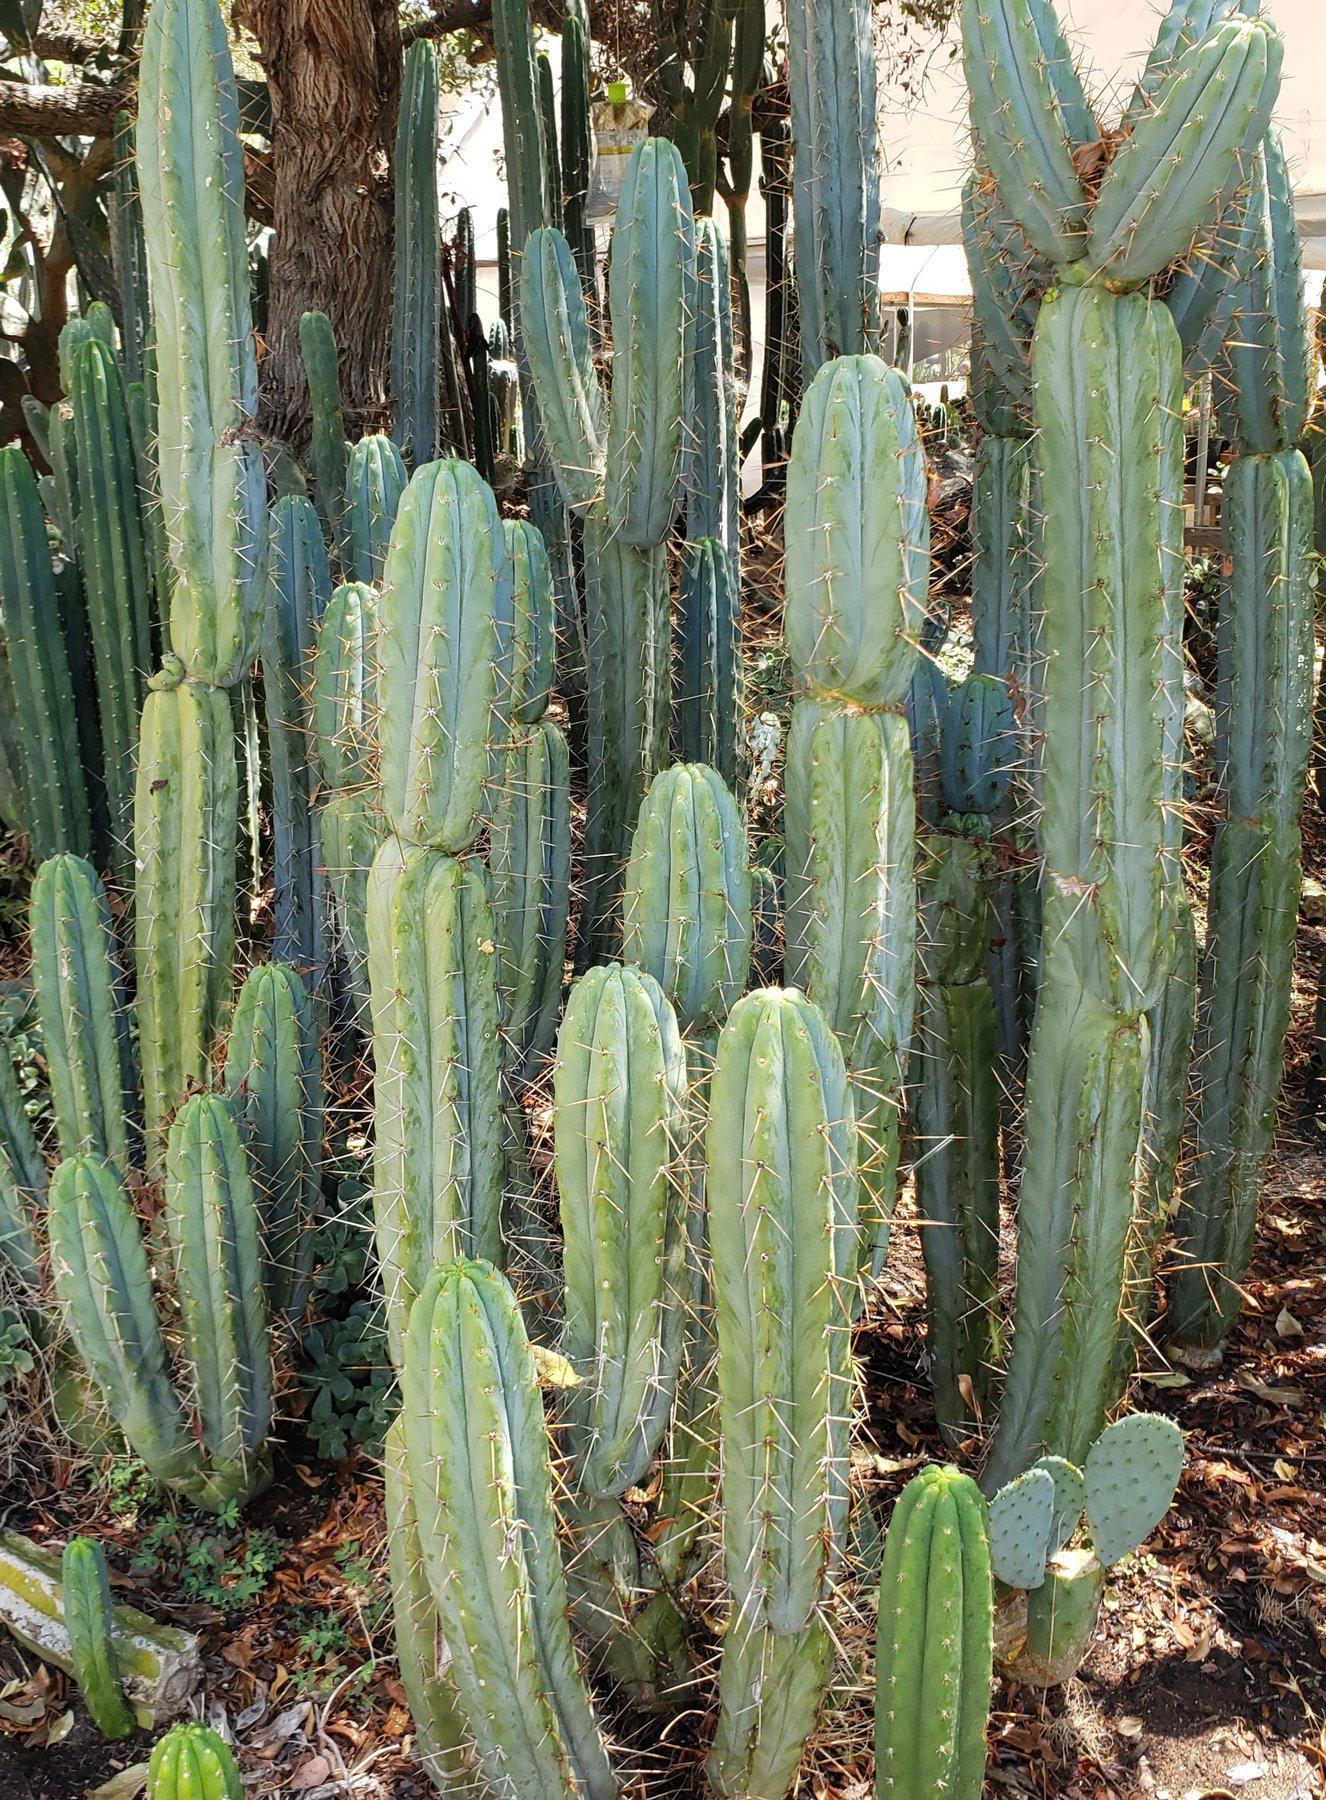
(438, 1159)
(22, 1180)
(112, 562)
(329, 450)
(213, 1224)
(298, 588)
(711, 472)
(352, 829)
(577, 138)
(416, 319)
(78, 1002)
(626, 629)
(1264, 704)
(54, 795)
(129, 252)
(185, 827)
(955, 1117)
(529, 863)
(708, 695)
(935, 1653)
(686, 908)
(274, 1082)
(91, 1627)
(476, 1456)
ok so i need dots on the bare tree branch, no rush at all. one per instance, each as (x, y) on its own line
(71, 47)
(82, 109)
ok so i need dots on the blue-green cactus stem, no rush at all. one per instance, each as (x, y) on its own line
(78, 1003)
(298, 588)
(374, 482)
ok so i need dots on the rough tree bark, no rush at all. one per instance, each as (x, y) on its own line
(333, 69)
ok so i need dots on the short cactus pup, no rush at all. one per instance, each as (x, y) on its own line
(933, 1652)
(192, 1763)
(1056, 1529)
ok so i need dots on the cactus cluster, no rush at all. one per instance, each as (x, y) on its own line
(973, 896)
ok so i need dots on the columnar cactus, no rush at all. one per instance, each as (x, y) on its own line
(620, 1131)
(444, 619)
(711, 471)
(857, 535)
(342, 701)
(129, 252)
(425, 1661)
(934, 1648)
(329, 450)
(476, 1456)
(90, 1623)
(686, 909)
(849, 881)
(857, 540)
(1107, 381)
(831, 63)
(191, 175)
(626, 629)
(438, 1161)
(298, 588)
(416, 319)
(22, 1181)
(1263, 743)
(185, 823)
(529, 863)
(54, 795)
(112, 562)
(78, 1003)
(213, 1224)
(352, 832)
(374, 482)
(707, 680)
(781, 1188)
(577, 138)
(192, 1763)
(956, 1123)
(274, 1081)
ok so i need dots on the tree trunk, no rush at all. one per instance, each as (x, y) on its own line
(333, 69)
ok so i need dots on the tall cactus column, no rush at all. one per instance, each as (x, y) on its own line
(1107, 406)
(857, 538)
(620, 465)
(444, 654)
(835, 170)
(1263, 736)
(191, 175)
